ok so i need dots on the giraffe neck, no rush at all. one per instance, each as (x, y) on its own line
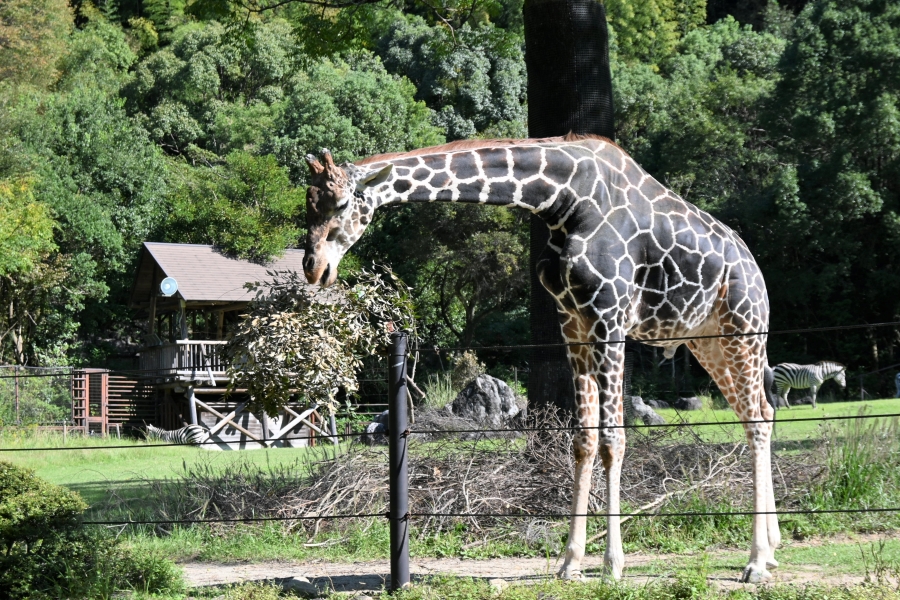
(545, 179)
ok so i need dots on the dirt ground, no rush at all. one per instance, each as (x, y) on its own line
(374, 575)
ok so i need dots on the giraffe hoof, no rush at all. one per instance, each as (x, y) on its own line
(753, 574)
(570, 574)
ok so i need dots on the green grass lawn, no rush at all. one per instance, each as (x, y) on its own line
(792, 425)
(96, 471)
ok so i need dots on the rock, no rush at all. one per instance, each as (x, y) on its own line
(488, 401)
(657, 404)
(779, 401)
(643, 412)
(800, 400)
(692, 403)
(376, 431)
(498, 585)
(299, 586)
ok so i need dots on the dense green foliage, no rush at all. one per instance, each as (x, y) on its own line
(298, 340)
(139, 120)
(47, 553)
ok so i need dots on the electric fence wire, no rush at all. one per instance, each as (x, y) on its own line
(480, 431)
(418, 515)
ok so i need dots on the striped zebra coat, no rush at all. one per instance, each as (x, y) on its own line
(192, 434)
(788, 376)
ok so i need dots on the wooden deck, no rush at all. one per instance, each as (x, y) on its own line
(185, 361)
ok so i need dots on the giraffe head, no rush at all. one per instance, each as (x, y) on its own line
(337, 213)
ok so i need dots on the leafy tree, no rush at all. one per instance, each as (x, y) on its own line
(355, 109)
(26, 240)
(836, 117)
(246, 205)
(696, 124)
(473, 78)
(223, 92)
(26, 227)
(217, 91)
(648, 30)
(297, 337)
(103, 182)
(33, 37)
(467, 265)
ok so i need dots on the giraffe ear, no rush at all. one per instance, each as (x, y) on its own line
(375, 177)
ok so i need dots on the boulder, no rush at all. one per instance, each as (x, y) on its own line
(692, 403)
(779, 401)
(488, 401)
(643, 412)
(377, 431)
(657, 404)
(797, 400)
(298, 586)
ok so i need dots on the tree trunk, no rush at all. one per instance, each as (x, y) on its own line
(569, 90)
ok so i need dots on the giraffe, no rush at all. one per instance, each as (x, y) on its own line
(626, 257)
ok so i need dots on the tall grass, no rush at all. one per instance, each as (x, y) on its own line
(439, 390)
(861, 459)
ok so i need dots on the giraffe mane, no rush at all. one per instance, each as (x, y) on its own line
(470, 144)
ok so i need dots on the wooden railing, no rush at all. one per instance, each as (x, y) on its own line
(184, 355)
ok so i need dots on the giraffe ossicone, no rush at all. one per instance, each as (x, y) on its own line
(626, 257)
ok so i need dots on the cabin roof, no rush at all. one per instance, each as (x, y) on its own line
(203, 273)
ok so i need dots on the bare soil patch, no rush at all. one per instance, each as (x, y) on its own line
(374, 575)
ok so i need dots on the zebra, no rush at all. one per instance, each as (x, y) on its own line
(790, 375)
(192, 434)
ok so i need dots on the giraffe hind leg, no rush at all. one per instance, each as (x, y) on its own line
(736, 365)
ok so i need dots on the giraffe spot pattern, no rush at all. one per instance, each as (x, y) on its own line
(626, 257)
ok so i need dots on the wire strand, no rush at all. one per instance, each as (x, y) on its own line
(482, 431)
(416, 515)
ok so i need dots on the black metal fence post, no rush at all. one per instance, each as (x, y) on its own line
(399, 479)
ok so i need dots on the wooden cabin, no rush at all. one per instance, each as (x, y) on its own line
(181, 377)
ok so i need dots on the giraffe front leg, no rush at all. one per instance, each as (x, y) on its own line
(585, 449)
(771, 518)
(761, 550)
(612, 451)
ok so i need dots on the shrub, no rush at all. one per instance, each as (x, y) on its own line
(48, 553)
(33, 512)
(466, 367)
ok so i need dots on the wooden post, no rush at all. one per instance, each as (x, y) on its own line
(264, 421)
(220, 324)
(183, 318)
(151, 327)
(192, 404)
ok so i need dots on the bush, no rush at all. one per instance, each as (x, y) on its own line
(466, 367)
(48, 553)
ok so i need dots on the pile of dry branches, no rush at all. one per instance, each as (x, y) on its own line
(451, 480)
